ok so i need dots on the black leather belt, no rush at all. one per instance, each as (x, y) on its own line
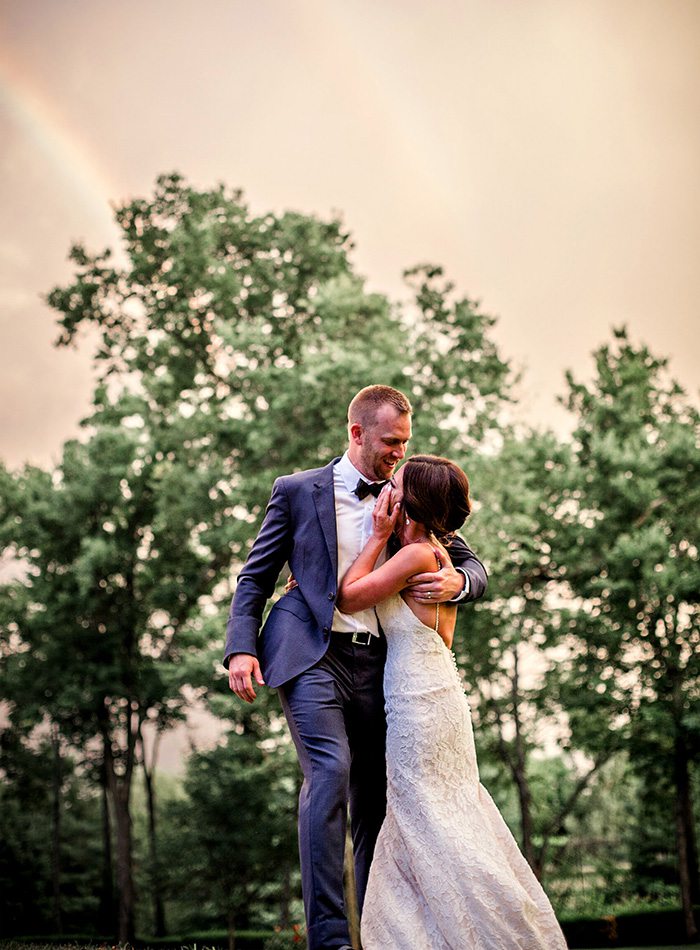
(360, 638)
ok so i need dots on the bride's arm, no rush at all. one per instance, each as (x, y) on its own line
(362, 586)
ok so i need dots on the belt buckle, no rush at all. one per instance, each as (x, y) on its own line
(358, 635)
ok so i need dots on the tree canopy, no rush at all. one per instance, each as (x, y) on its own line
(229, 344)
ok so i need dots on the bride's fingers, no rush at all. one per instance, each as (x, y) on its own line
(384, 515)
(382, 506)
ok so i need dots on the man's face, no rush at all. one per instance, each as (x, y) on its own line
(376, 450)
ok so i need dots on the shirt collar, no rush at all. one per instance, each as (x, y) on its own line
(350, 474)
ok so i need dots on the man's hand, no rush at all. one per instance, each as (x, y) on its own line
(241, 668)
(436, 586)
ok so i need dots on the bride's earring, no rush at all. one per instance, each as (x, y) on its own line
(408, 520)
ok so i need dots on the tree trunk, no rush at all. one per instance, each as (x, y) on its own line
(56, 829)
(107, 908)
(156, 890)
(231, 922)
(558, 820)
(520, 775)
(119, 786)
(685, 833)
(125, 878)
(285, 899)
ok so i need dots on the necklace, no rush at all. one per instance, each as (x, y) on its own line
(429, 539)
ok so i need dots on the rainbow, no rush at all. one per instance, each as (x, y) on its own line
(62, 147)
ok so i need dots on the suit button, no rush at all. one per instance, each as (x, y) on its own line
(326, 630)
(331, 596)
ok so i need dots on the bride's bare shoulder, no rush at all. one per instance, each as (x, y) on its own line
(417, 557)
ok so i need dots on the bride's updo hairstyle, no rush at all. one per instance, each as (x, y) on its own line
(435, 493)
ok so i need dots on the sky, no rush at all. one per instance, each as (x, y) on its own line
(545, 152)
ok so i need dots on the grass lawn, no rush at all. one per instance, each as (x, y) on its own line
(17, 945)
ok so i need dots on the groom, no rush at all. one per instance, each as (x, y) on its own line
(327, 665)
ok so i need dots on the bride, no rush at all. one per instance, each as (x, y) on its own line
(446, 873)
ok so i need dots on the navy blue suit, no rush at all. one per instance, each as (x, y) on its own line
(330, 689)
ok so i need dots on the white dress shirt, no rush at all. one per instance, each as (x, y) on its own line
(353, 522)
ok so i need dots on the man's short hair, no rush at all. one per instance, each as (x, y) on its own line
(367, 403)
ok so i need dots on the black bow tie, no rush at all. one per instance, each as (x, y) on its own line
(363, 488)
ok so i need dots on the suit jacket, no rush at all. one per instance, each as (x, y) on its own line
(299, 529)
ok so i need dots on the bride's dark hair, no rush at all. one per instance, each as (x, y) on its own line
(436, 493)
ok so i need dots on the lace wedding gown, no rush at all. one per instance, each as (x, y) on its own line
(447, 873)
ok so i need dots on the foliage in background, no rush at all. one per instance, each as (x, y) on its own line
(231, 842)
(229, 345)
(631, 534)
(27, 858)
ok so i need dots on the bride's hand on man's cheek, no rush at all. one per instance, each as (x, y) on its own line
(385, 514)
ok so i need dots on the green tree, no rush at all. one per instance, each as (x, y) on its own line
(459, 383)
(509, 645)
(631, 525)
(49, 862)
(89, 646)
(244, 338)
(232, 840)
(229, 345)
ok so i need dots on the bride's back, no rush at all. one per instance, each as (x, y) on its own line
(440, 617)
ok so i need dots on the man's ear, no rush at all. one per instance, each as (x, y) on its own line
(356, 432)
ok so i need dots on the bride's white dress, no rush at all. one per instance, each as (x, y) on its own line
(447, 873)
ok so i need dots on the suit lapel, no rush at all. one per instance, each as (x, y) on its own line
(324, 499)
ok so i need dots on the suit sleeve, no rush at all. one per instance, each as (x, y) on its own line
(463, 557)
(256, 582)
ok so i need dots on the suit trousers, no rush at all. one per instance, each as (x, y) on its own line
(335, 712)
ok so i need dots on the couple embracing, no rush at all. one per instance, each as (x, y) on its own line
(359, 651)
